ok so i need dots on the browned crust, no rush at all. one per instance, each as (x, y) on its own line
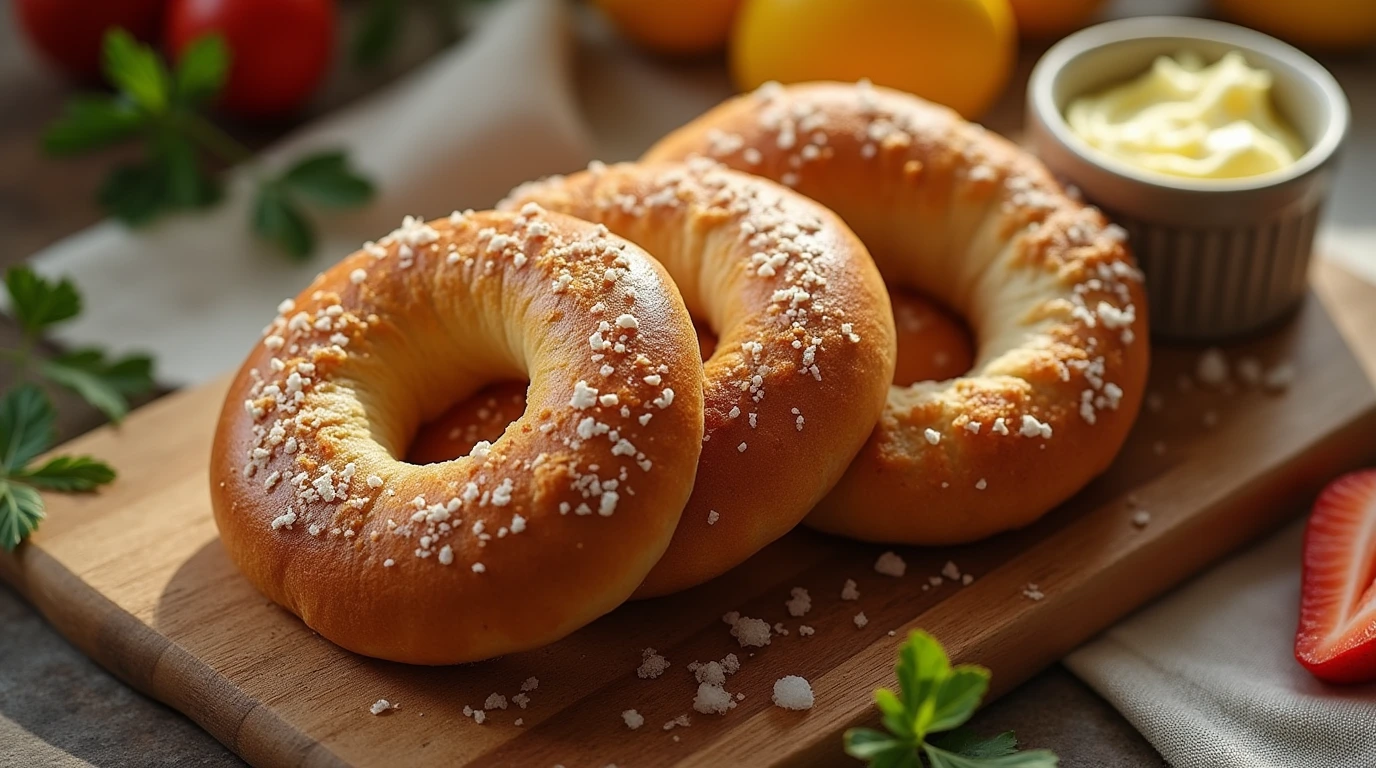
(805, 350)
(383, 342)
(1048, 286)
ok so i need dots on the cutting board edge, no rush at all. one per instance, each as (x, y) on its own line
(155, 666)
(1330, 453)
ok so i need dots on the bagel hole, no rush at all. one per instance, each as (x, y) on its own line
(483, 416)
(934, 344)
(707, 338)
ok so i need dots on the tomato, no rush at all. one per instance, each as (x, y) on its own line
(279, 49)
(68, 32)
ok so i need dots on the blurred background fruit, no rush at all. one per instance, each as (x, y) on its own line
(673, 27)
(68, 33)
(1050, 19)
(1321, 24)
(956, 52)
(280, 50)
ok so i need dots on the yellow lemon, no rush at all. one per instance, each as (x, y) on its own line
(1043, 19)
(673, 27)
(954, 52)
(1327, 24)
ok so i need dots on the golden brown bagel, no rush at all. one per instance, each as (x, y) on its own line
(804, 351)
(516, 544)
(1049, 289)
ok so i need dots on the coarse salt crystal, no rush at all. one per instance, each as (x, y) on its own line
(380, 706)
(793, 692)
(849, 590)
(890, 564)
(633, 719)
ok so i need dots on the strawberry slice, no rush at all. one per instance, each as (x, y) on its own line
(1336, 640)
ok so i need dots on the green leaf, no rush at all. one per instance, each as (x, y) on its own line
(136, 70)
(70, 473)
(185, 183)
(895, 715)
(378, 33)
(36, 302)
(276, 219)
(134, 193)
(104, 384)
(89, 122)
(325, 179)
(958, 696)
(27, 426)
(940, 758)
(867, 743)
(21, 510)
(964, 742)
(922, 667)
(202, 70)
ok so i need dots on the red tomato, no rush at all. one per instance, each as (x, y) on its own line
(280, 49)
(68, 32)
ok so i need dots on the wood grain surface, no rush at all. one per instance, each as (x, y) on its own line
(135, 576)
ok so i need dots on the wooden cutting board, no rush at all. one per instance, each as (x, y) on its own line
(136, 577)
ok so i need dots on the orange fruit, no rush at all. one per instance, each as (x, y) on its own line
(673, 27)
(1043, 19)
(1327, 24)
(954, 52)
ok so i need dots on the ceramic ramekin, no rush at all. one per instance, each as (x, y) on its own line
(1221, 257)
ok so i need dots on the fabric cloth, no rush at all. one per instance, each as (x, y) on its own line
(1205, 674)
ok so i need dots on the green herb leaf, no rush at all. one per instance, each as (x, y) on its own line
(276, 218)
(136, 70)
(104, 384)
(27, 426)
(21, 510)
(185, 183)
(202, 70)
(963, 742)
(134, 193)
(378, 33)
(896, 717)
(958, 696)
(940, 758)
(90, 122)
(325, 179)
(36, 302)
(70, 473)
(922, 667)
(869, 744)
(935, 698)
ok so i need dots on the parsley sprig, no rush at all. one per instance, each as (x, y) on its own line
(27, 417)
(38, 304)
(936, 698)
(164, 108)
(27, 429)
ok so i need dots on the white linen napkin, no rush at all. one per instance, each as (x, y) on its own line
(1207, 674)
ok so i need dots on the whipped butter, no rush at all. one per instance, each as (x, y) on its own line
(1184, 118)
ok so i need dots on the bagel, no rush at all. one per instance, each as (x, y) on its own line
(805, 342)
(1047, 285)
(521, 541)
